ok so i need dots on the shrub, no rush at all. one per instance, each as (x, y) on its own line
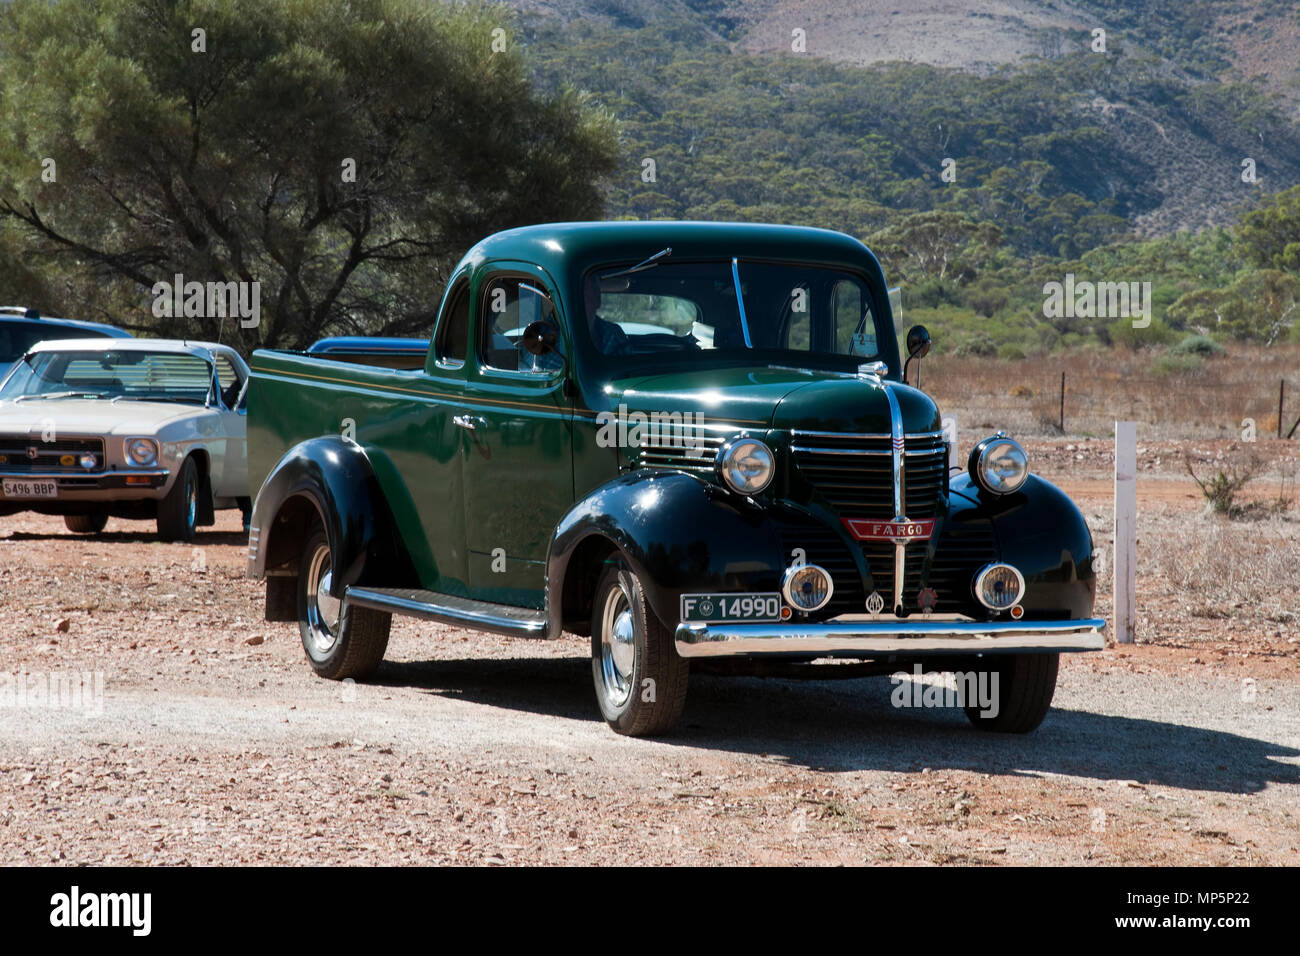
(980, 345)
(1221, 488)
(1013, 353)
(1171, 364)
(1201, 345)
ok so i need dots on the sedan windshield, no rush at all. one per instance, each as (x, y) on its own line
(122, 375)
(773, 312)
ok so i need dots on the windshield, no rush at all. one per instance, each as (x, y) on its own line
(123, 375)
(785, 313)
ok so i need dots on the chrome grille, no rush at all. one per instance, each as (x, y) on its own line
(14, 456)
(963, 548)
(691, 449)
(854, 473)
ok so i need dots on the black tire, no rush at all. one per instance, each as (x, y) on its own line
(86, 524)
(178, 511)
(640, 679)
(1025, 687)
(338, 645)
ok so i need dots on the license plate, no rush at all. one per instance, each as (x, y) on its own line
(731, 607)
(13, 488)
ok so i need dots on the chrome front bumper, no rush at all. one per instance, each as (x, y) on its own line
(868, 637)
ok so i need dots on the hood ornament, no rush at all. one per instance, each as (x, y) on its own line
(873, 371)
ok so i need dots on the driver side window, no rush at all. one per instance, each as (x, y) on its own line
(510, 305)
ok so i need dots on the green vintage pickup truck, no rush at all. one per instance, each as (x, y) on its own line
(690, 441)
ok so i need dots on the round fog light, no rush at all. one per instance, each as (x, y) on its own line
(807, 587)
(999, 587)
(88, 462)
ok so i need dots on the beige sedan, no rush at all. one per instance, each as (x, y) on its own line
(129, 428)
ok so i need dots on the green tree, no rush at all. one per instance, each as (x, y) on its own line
(1271, 233)
(341, 155)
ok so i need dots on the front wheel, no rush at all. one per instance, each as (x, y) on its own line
(640, 679)
(86, 524)
(1020, 691)
(341, 640)
(178, 511)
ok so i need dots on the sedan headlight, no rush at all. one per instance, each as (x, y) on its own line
(746, 465)
(141, 451)
(999, 465)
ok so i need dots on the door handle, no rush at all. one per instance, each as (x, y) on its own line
(470, 422)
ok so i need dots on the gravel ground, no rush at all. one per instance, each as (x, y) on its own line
(213, 742)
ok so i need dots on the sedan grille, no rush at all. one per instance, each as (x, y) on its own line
(23, 453)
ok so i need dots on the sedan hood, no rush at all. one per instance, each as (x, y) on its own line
(81, 416)
(783, 398)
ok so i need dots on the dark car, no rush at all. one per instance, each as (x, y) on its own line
(693, 442)
(21, 328)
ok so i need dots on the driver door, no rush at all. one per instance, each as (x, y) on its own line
(516, 435)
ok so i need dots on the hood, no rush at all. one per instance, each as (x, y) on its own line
(783, 398)
(92, 416)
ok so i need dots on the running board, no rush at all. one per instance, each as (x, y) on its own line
(448, 609)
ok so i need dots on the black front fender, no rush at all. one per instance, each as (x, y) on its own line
(335, 477)
(1042, 533)
(678, 533)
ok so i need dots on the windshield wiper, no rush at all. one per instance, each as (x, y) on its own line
(23, 398)
(644, 264)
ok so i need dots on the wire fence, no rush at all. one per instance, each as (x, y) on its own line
(1055, 402)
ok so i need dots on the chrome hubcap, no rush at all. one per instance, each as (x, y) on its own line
(191, 503)
(322, 609)
(618, 643)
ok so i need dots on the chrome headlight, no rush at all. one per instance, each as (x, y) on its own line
(999, 586)
(746, 465)
(141, 451)
(999, 464)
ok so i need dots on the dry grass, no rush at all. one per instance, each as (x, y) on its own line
(1217, 566)
(1102, 387)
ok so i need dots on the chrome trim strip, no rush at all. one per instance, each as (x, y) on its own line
(880, 437)
(896, 445)
(915, 635)
(916, 452)
(740, 301)
(49, 476)
(483, 621)
(841, 451)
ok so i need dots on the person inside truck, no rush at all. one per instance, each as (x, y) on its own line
(607, 335)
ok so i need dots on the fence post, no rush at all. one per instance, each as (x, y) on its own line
(1281, 394)
(1124, 575)
(1062, 422)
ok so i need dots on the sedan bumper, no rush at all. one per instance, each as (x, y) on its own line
(117, 485)
(866, 637)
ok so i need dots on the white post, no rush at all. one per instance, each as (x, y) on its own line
(1125, 563)
(950, 436)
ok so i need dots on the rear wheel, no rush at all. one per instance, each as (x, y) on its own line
(340, 640)
(1020, 696)
(640, 679)
(86, 524)
(178, 511)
